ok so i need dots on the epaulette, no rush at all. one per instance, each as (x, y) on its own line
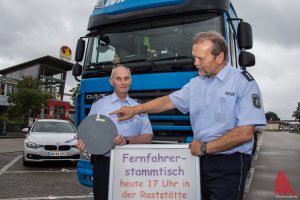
(139, 101)
(247, 75)
(99, 97)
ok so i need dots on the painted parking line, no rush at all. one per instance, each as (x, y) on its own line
(89, 196)
(11, 163)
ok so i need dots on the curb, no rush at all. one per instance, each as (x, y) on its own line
(11, 137)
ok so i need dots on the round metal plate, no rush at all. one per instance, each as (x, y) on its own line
(97, 132)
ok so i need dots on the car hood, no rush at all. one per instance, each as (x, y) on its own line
(51, 138)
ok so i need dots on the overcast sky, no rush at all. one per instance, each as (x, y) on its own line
(31, 29)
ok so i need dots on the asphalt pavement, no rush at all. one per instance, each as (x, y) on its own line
(275, 171)
(47, 180)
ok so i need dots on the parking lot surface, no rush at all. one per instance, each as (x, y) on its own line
(277, 152)
(49, 180)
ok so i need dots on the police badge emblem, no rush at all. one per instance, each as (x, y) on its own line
(256, 101)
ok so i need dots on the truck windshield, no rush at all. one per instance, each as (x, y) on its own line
(148, 42)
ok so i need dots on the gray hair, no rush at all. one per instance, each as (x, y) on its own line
(219, 43)
(117, 66)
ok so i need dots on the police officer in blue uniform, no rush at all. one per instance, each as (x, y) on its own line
(137, 130)
(225, 106)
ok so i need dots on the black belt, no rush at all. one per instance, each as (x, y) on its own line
(223, 155)
(98, 158)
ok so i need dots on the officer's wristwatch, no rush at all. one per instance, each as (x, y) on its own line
(203, 148)
(127, 141)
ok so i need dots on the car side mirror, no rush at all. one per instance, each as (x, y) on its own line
(25, 130)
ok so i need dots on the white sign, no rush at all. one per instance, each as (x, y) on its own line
(154, 171)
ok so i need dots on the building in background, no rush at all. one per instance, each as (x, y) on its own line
(7, 86)
(50, 70)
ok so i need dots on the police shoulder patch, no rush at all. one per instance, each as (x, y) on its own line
(247, 75)
(99, 97)
(256, 101)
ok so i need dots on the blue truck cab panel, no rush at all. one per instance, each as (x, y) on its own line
(154, 39)
(85, 173)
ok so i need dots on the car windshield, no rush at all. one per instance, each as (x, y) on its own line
(53, 127)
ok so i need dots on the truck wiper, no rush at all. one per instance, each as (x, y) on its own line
(97, 65)
(173, 58)
(135, 60)
(178, 62)
(142, 60)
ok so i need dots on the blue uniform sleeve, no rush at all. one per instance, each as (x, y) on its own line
(250, 110)
(93, 110)
(146, 127)
(180, 99)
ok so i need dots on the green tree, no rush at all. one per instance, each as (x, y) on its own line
(296, 113)
(28, 100)
(75, 91)
(271, 116)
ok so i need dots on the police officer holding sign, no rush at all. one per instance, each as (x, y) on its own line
(137, 130)
(225, 106)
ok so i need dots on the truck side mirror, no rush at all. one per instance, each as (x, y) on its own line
(244, 36)
(79, 50)
(246, 59)
(77, 69)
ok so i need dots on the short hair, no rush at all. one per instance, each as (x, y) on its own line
(117, 66)
(219, 43)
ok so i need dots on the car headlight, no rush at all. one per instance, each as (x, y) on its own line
(32, 145)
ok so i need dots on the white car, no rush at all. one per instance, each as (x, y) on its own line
(50, 140)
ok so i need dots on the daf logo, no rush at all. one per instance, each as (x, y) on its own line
(113, 2)
(92, 96)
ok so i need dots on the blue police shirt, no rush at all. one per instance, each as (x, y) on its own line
(217, 105)
(138, 125)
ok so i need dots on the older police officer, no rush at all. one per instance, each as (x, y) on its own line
(134, 131)
(225, 106)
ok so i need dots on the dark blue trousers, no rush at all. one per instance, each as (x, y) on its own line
(223, 176)
(101, 179)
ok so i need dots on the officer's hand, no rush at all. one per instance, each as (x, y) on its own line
(120, 140)
(80, 146)
(195, 147)
(124, 113)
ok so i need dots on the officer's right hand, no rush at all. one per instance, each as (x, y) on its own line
(124, 113)
(80, 146)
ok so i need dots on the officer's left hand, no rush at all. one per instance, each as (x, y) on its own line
(195, 147)
(120, 140)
